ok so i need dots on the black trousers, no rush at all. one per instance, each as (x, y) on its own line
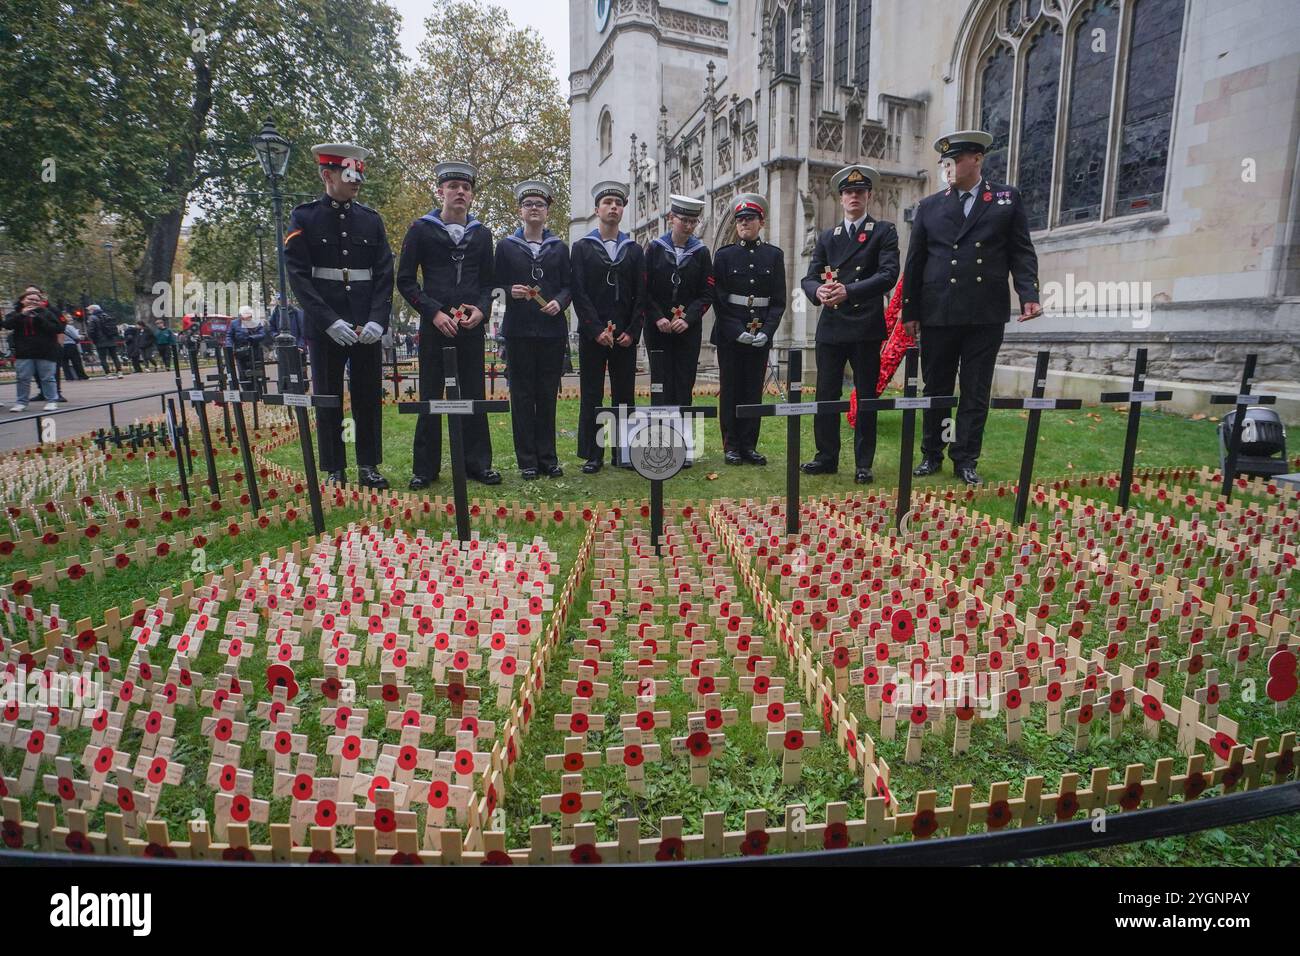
(964, 355)
(681, 362)
(427, 453)
(535, 368)
(864, 357)
(328, 362)
(741, 370)
(106, 352)
(70, 362)
(593, 360)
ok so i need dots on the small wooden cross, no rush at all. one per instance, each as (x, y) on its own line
(570, 803)
(790, 743)
(574, 759)
(701, 747)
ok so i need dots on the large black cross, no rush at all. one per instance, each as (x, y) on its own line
(793, 409)
(196, 397)
(1135, 398)
(456, 409)
(1242, 399)
(1036, 404)
(629, 416)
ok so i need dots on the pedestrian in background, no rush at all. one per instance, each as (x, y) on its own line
(34, 337)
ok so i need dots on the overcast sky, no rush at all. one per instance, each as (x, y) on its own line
(550, 18)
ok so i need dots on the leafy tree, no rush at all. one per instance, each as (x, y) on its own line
(144, 107)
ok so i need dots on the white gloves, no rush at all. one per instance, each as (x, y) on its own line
(372, 333)
(760, 340)
(746, 338)
(342, 333)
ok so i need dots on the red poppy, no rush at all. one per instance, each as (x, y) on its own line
(1222, 745)
(12, 834)
(775, 712)
(699, 745)
(1067, 805)
(924, 824)
(578, 723)
(585, 852)
(1131, 798)
(1231, 776)
(77, 842)
(998, 815)
(755, 843)
(1152, 708)
(326, 813)
(671, 848)
(1013, 699)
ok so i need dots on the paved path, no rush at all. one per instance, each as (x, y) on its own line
(74, 418)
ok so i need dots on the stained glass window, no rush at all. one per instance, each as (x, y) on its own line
(1148, 110)
(1038, 123)
(862, 44)
(995, 111)
(842, 11)
(798, 42)
(778, 42)
(1091, 79)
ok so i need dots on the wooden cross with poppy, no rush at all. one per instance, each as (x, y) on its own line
(278, 706)
(571, 802)
(123, 691)
(238, 806)
(1212, 694)
(585, 686)
(407, 755)
(455, 691)
(789, 741)
(64, 785)
(348, 748)
(154, 723)
(574, 759)
(470, 720)
(646, 718)
(704, 680)
(284, 651)
(411, 714)
(700, 746)
(160, 770)
(637, 748)
(384, 776)
(759, 681)
(385, 819)
(280, 743)
(329, 805)
(129, 794)
(646, 687)
(389, 690)
(39, 745)
(840, 657)
(225, 733)
(1080, 718)
(440, 795)
(221, 697)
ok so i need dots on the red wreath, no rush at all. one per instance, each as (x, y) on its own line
(895, 346)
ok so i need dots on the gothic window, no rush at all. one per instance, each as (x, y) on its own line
(817, 40)
(995, 110)
(841, 62)
(798, 42)
(1110, 69)
(1038, 123)
(862, 44)
(778, 41)
(1148, 114)
(1088, 118)
(606, 130)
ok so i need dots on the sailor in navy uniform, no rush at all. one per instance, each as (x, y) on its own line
(965, 241)
(341, 269)
(749, 293)
(854, 267)
(679, 291)
(609, 299)
(532, 265)
(453, 252)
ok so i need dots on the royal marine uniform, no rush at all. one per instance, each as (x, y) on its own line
(678, 285)
(455, 263)
(608, 293)
(749, 294)
(963, 246)
(536, 340)
(341, 269)
(863, 256)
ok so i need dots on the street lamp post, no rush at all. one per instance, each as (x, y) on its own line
(273, 153)
(261, 233)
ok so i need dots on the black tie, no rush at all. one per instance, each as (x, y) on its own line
(961, 200)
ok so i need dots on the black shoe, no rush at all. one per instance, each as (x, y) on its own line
(489, 477)
(369, 477)
(687, 463)
(591, 467)
(337, 477)
(733, 458)
(419, 482)
(555, 471)
(864, 476)
(529, 474)
(817, 467)
(968, 474)
(928, 466)
(753, 457)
